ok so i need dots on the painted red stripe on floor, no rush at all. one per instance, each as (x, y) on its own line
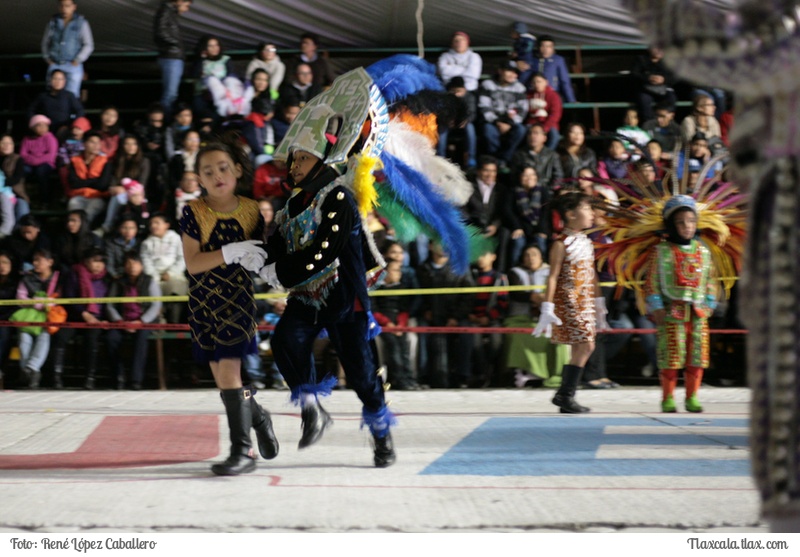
(132, 441)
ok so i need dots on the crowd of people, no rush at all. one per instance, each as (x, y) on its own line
(123, 187)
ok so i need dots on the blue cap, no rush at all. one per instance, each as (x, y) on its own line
(678, 202)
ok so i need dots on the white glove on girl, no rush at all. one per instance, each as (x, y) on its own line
(233, 253)
(547, 319)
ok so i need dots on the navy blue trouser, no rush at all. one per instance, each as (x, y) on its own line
(292, 347)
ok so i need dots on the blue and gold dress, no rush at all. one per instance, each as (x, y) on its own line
(221, 301)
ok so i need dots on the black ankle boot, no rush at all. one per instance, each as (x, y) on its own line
(262, 423)
(240, 419)
(34, 378)
(384, 450)
(315, 420)
(565, 396)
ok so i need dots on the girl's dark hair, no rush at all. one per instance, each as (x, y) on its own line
(94, 253)
(131, 255)
(29, 220)
(230, 143)
(570, 201)
(43, 252)
(202, 45)
(115, 129)
(126, 167)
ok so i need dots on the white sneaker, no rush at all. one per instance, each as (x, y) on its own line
(648, 371)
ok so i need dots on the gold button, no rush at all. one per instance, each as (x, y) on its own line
(331, 214)
(318, 256)
(335, 228)
(340, 195)
(309, 267)
(325, 244)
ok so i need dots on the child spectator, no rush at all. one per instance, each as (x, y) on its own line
(545, 108)
(680, 298)
(266, 207)
(267, 58)
(502, 105)
(183, 160)
(111, 133)
(554, 68)
(615, 164)
(216, 84)
(88, 279)
(188, 190)
(573, 301)
(125, 240)
(9, 279)
(40, 282)
(444, 357)
(133, 283)
(256, 128)
(75, 240)
(25, 240)
(181, 124)
(531, 358)
(152, 133)
(39, 152)
(488, 310)
(635, 137)
(465, 125)
(130, 167)
(162, 258)
(89, 178)
(73, 144)
(268, 181)
(523, 52)
(663, 129)
(12, 168)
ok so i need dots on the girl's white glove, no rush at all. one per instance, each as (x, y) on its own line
(601, 312)
(233, 253)
(547, 319)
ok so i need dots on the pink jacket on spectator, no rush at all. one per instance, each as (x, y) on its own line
(38, 150)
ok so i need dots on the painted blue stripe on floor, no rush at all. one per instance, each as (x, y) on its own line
(567, 446)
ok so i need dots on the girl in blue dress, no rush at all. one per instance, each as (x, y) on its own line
(217, 230)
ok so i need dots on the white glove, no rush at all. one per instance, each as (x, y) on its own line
(601, 312)
(233, 253)
(270, 276)
(547, 319)
(253, 261)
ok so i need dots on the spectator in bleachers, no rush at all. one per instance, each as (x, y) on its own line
(484, 207)
(658, 157)
(664, 129)
(7, 218)
(25, 240)
(133, 283)
(546, 161)
(129, 163)
(151, 133)
(554, 68)
(525, 214)
(162, 257)
(635, 138)
(322, 73)
(614, 164)
(523, 52)
(72, 145)
(267, 59)
(300, 87)
(573, 152)
(726, 120)
(188, 190)
(699, 155)
(488, 310)
(460, 61)
(218, 92)
(57, 103)
(466, 126)
(39, 153)
(701, 119)
(268, 179)
(75, 240)
(111, 132)
(183, 160)
(545, 108)
(444, 358)
(288, 109)
(257, 126)
(266, 206)
(9, 279)
(88, 279)
(181, 124)
(171, 52)
(644, 170)
(530, 358)
(503, 106)
(12, 174)
(34, 348)
(89, 178)
(67, 43)
(132, 202)
(654, 82)
(124, 239)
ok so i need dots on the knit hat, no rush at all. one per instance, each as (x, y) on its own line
(82, 124)
(462, 33)
(520, 27)
(38, 119)
(132, 187)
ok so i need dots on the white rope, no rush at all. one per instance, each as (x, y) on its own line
(420, 44)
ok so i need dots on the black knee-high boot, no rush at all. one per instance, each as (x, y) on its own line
(262, 424)
(565, 396)
(240, 420)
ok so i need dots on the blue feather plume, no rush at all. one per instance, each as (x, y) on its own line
(417, 193)
(403, 75)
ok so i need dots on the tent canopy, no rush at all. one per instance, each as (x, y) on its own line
(126, 25)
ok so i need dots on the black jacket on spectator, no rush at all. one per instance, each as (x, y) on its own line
(167, 32)
(62, 108)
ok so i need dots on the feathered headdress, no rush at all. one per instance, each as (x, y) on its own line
(637, 224)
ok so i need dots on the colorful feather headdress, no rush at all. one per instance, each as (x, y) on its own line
(636, 225)
(389, 126)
